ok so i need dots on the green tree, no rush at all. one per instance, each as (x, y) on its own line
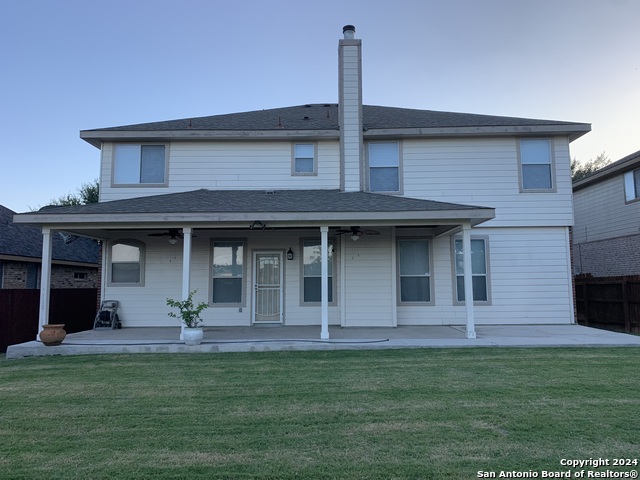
(87, 193)
(582, 170)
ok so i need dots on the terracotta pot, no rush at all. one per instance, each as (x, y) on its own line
(52, 334)
(193, 336)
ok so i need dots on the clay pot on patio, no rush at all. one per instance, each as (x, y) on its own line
(52, 334)
(193, 336)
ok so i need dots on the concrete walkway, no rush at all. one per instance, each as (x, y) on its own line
(263, 338)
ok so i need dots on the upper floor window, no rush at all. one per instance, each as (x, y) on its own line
(126, 259)
(304, 159)
(632, 185)
(312, 271)
(384, 167)
(479, 270)
(139, 164)
(414, 268)
(536, 164)
(228, 272)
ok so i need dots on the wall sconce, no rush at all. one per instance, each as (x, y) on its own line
(289, 254)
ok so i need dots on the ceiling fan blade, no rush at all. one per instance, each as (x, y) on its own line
(368, 231)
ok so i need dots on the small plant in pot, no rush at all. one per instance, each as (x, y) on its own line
(189, 315)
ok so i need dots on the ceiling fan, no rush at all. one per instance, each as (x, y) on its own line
(173, 234)
(356, 232)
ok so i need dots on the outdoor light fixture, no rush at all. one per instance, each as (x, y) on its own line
(257, 225)
(355, 237)
(289, 254)
(173, 240)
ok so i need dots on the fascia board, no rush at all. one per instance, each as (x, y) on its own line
(574, 131)
(237, 219)
(96, 137)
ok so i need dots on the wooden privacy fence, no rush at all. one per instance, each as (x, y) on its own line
(19, 310)
(611, 303)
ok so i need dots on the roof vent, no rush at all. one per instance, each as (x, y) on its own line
(270, 192)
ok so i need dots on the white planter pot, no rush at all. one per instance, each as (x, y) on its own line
(193, 336)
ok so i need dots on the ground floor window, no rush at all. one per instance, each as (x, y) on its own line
(312, 271)
(228, 272)
(127, 263)
(414, 268)
(479, 269)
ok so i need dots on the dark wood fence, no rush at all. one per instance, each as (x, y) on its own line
(19, 310)
(611, 303)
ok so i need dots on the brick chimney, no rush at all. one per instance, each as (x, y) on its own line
(350, 110)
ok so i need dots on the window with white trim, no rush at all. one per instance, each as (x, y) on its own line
(632, 185)
(384, 166)
(312, 271)
(126, 259)
(414, 268)
(228, 272)
(479, 270)
(135, 164)
(304, 159)
(536, 164)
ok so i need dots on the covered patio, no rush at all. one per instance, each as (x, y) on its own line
(280, 338)
(256, 222)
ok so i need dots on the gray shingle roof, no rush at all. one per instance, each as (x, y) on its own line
(26, 241)
(325, 117)
(260, 201)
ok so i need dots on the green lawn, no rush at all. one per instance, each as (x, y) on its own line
(433, 413)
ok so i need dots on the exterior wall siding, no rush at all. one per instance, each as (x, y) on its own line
(484, 172)
(229, 165)
(601, 212)
(529, 280)
(528, 276)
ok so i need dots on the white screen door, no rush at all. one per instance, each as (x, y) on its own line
(267, 287)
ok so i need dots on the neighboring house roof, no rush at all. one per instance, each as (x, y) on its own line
(323, 119)
(630, 162)
(25, 241)
(302, 207)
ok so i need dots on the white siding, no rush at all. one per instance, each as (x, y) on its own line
(601, 212)
(229, 165)
(529, 280)
(528, 270)
(484, 172)
(368, 276)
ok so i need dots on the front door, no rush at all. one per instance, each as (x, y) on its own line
(267, 287)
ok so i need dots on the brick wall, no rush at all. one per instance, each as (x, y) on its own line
(23, 275)
(608, 258)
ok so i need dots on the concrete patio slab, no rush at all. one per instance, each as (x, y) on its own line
(263, 338)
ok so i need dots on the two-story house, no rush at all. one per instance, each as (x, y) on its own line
(606, 235)
(334, 214)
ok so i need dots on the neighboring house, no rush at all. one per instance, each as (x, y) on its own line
(343, 214)
(74, 265)
(606, 235)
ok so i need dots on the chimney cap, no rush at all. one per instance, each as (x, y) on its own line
(348, 31)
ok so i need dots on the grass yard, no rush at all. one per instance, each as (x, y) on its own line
(386, 414)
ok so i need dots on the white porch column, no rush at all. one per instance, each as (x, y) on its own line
(186, 268)
(45, 279)
(468, 280)
(324, 280)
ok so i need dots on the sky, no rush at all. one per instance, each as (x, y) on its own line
(72, 65)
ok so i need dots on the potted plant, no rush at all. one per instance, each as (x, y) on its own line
(189, 315)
